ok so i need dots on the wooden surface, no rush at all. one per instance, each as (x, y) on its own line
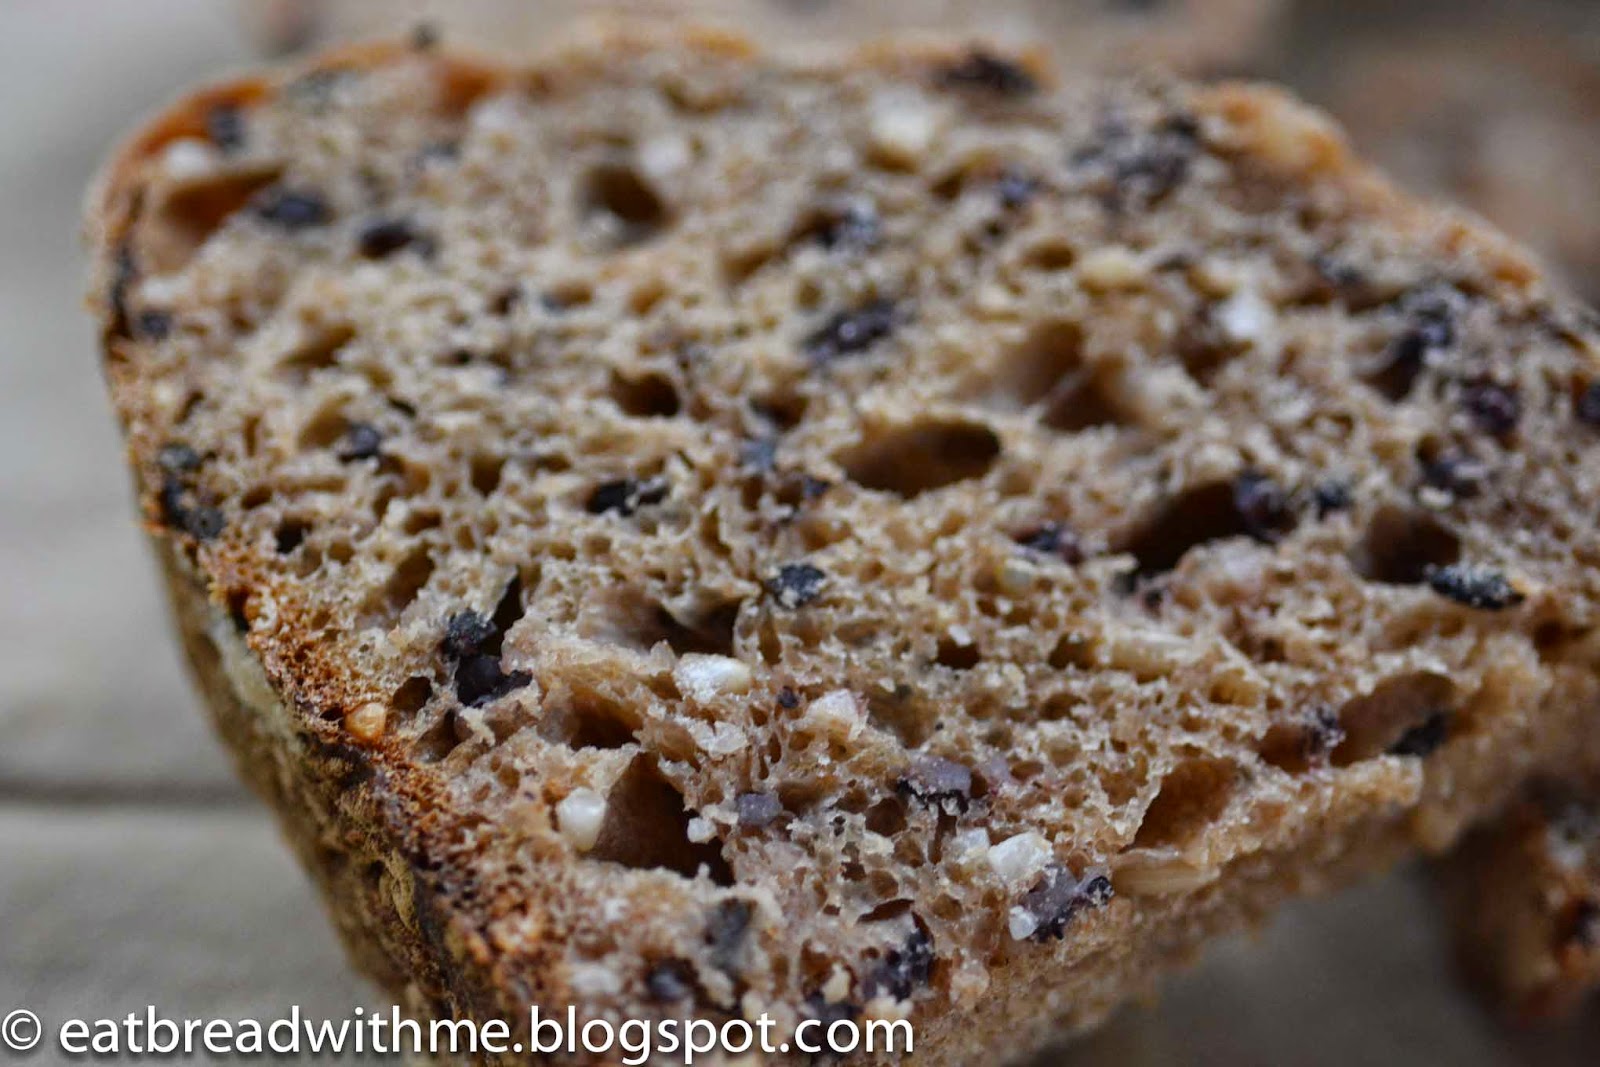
(133, 870)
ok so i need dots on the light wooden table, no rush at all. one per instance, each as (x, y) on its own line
(133, 870)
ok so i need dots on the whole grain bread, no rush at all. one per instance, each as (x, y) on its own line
(676, 530)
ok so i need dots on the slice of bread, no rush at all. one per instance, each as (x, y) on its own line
(675, 530)
(1525, 893)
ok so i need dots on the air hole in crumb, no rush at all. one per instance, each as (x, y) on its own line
(646, 827)
(1204, 353)
(840, 226)
(193, 211)
(740, 264)
(600, 732)
(1073, 650)
(1375, 723)
(1553, 638)
(916, 459)
(412, 695)
(250, 435)
(325, 427)
(808, 293)
(420, 520)
(508, 610)
(642, 623)
(440, 739)
(801, 795)
(317, 352)
(290, 535)
(1402, 545)
(616, 193)
(1051, 254)
(887, 817)
(485, 472)
(648, 396)
(646, 295)
(784, 410)
(957, 657)
(1202, 514)
(1083, 404)
(460, 85)
(563, 296)
(1193, 795)
(950, 185)
(588, 719)
(1047, 370)
(1051, 353)
(1300, 745)
(902, 715)
(407, 580)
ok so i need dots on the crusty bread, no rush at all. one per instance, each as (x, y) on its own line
(675, 530)
(1525, 894)
(1191, 36)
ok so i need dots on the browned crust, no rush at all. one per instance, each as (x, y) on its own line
(366, 823)
(348, 822)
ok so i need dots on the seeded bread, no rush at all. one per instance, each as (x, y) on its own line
(1187, 35)
(1526, 898)
(674, 530)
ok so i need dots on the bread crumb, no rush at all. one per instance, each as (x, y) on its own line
(836, 714)
(1113, 267)
(366, 723)
(904, 128)
(1245, 317)
(665, 156)
(1019, 857)
(579, 816)
(837, 988)
(1021, 923)
(704, 678)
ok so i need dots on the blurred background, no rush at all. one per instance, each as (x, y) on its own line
(134, 870)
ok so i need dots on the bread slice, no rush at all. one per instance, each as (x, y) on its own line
(1192, 36)
(675, 530)
(1525, 892)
